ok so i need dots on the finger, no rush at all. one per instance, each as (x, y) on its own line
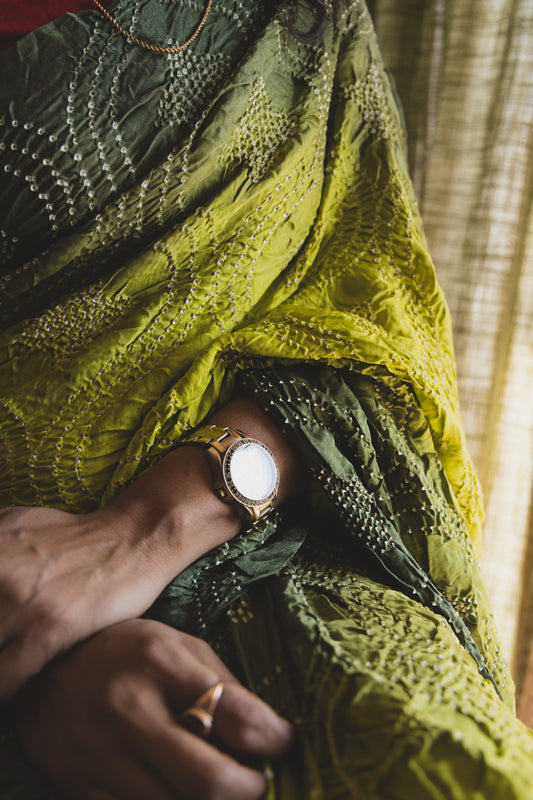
(188, 764)
(177, 653)
(182, 676)
(243, 722)
(207, 656)
(133, 780)
(197, 769)
(246, 724)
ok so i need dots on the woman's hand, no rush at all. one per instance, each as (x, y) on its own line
(63, 577)
(103, 722)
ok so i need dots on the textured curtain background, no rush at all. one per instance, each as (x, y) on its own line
(464, 72)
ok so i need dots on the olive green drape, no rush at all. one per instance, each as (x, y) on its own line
(464, 72)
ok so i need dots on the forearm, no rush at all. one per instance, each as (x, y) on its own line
(172, 510)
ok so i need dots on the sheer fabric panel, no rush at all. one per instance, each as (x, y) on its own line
(464, 72)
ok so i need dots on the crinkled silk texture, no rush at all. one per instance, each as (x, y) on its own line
(240, 214)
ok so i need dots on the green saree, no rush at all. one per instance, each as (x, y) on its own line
(240, 215)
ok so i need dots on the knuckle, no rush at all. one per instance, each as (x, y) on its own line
(119, 698)
(203, 652)
(160, 648)
(151, 647)
(198, 647)
(201, 646)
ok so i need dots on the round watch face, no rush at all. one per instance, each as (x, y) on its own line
(251, 471)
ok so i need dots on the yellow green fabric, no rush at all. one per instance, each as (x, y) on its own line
(241, 212)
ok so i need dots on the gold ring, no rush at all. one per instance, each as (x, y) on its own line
(199, 718)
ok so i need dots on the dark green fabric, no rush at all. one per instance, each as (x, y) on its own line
(348, 471)
(352, 638)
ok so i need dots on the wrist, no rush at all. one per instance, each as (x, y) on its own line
(171, 515)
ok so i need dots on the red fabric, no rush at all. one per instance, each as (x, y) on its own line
(19, 17)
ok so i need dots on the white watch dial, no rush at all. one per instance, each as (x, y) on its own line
(253, 471)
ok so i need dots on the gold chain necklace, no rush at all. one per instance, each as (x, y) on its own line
(153, 47)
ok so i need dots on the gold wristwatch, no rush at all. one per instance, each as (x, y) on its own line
(245, 472)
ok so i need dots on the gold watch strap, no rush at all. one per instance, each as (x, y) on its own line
(213, 435)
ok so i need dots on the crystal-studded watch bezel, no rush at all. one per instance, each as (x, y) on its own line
(228, 480)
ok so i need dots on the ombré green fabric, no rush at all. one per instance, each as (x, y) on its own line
(241, 213)
(281, 226)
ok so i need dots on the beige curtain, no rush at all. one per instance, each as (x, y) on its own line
(464, 72)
